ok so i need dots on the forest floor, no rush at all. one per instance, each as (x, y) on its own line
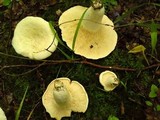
(136, 23)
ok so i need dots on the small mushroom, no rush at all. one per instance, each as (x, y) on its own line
(63, 96)
(34, 38)
(108, 80)
(96, 36)
(2, 115)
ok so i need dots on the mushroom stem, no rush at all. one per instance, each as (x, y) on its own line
(60, 93)
(114, 81)
(93, 16)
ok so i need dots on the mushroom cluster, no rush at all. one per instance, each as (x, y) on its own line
(96, 36)
(34, 38)
(63, 96)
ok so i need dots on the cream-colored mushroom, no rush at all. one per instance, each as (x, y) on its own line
(34, 38)
(108, 80)
(96, 36)
(2, 115)
(63, 96)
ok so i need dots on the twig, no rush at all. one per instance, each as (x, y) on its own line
(36, 67)
(151, 66)
(107, 67)
(51, 62)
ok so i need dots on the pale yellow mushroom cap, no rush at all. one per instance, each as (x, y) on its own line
(90, 44)
(63, 96)
(2, 115)
(34, 38)
(108, 80)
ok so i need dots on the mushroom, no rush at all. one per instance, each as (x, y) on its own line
(2, 115)
(108, 80)
(34, 38)
(63, 96)
(96, 36)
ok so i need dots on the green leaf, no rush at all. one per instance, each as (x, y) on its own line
(59, 41)
(21, 104)
(137, 49)
(111, 117)
(77, 29)
(158, 107)
(153, 92)
(149, 103)
(55, 33)
(6, 2)
(65, 54)
(153, 36)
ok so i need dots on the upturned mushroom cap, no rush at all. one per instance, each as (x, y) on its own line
(63, 96)
(2, 115)
(97, 41)
(108, 80)
(34, 38)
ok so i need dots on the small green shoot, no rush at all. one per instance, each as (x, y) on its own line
(7, 2)
(138, 49)
(21, 104)
(158, 107)
(149, 103)
(153, 36)
(124, 85)
(153, 92)
(112, 117)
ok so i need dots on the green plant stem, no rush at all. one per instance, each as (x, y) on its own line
(145, 57)
(21, 104)
(77, 30)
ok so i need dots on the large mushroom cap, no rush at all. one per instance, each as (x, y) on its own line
(90, 44)
(61, 104)
(2, 115)
(108, 80)
(34, 38)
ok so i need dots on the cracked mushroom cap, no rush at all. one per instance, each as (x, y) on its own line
(91, 43)
(2, 115)
(63, 96)
(108, 80)
(34, 38)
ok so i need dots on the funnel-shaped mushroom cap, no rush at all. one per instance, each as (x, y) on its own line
(108, 80)
(94, 40)
(63, 96)
(2, 115)
(34, 38)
